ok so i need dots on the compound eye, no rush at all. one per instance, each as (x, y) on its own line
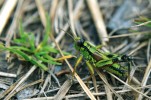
(115, 60)
(110, 55)
(80, 43)
(124, 57)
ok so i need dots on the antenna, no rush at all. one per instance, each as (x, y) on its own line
(67, 33)
(74, 34)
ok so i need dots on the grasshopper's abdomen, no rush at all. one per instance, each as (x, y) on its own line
(111, 66)
(117, 69)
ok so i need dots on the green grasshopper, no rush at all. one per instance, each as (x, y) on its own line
(96, 58)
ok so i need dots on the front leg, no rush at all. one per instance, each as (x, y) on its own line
(76, 64)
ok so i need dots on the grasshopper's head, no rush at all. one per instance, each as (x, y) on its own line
(126, 58)
(121, 58)
(78, 43)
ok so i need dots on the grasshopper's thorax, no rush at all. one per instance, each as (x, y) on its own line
(78, 43)
(85, 49)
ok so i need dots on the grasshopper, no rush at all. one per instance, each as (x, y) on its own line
(94, 57)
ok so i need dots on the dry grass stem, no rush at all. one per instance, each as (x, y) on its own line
(7, 74)
(41, 12)
(130, 86)
(108, 93)
(108, 85)
(98, 20)
(63, 90)
(145, 78)
(7, 7)
(23, 87)
(22, 80)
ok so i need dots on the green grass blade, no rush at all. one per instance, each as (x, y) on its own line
(27, 58)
